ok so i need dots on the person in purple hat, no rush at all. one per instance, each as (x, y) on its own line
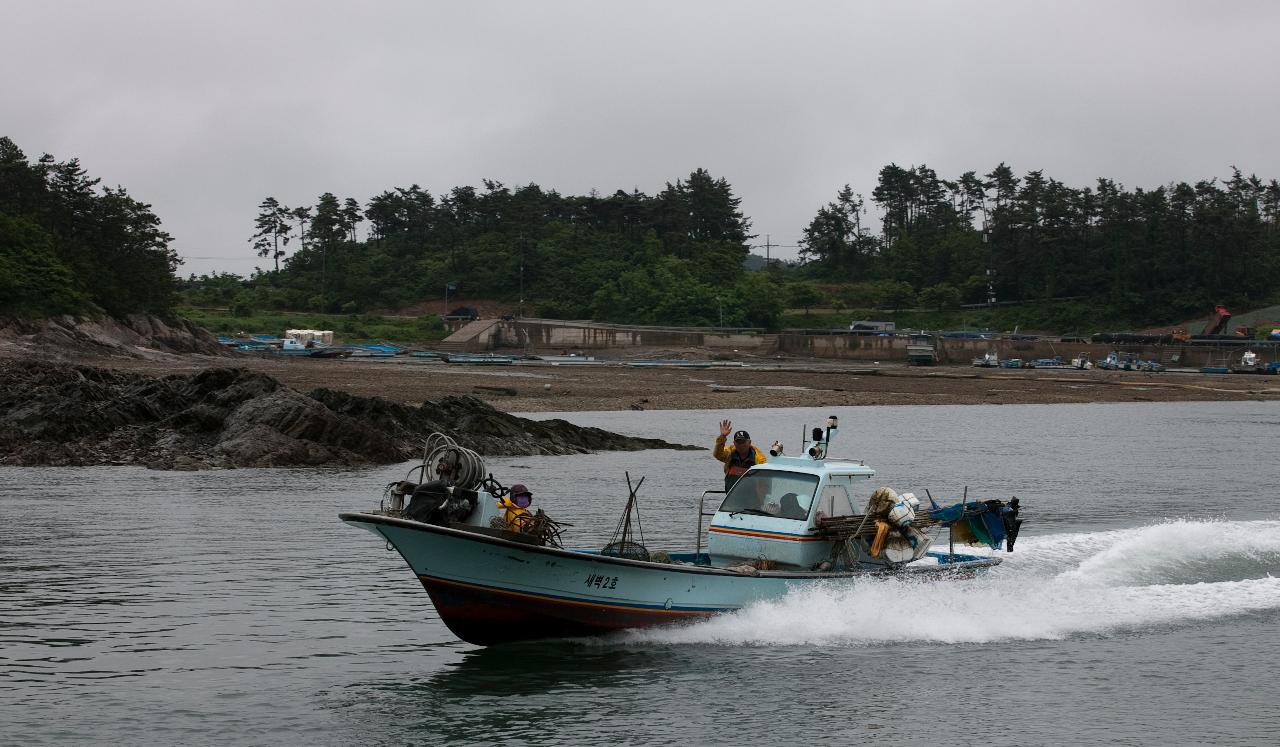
(515, 505)
(740, 458)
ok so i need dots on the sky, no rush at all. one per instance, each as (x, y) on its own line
(202, 109)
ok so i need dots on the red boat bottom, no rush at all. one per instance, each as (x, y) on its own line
(486, 616)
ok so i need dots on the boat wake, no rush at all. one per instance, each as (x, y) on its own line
(1053, 587)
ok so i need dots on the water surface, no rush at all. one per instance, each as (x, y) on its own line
(1142, 605)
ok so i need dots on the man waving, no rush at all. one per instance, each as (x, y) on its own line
(738, 459)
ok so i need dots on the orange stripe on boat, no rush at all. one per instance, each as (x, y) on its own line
(766, 535)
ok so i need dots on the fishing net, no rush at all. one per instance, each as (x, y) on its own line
(626, 549)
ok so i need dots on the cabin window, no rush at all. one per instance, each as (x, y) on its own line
(763, 492)
(834, 502)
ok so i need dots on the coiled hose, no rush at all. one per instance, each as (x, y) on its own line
(444, 459)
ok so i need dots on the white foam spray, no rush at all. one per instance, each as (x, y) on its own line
(1055, 586)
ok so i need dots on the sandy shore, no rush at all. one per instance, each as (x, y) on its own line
(760, 383)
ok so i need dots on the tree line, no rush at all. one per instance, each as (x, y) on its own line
(675, 257)
(1145, 254)
(69, 245)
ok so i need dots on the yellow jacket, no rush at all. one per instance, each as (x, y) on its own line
(726, 455)
(514, 516)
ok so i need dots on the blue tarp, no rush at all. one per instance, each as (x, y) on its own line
(977, 520)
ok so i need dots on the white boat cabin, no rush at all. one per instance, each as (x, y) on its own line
(772, 512)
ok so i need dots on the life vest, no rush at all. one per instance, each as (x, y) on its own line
(515, 516)
(738, 464)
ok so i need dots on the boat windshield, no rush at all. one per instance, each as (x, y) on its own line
(765, 492)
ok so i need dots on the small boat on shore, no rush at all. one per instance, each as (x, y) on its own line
(1251, 363)
(497, 572)
(480, 359)
(922, 349)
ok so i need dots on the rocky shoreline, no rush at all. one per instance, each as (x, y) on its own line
(135, 336)
(72, 415)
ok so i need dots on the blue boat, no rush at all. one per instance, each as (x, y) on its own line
(787, 524)
(375, 350)
(480, 359)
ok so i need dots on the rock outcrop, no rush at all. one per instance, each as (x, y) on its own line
(134, 336)
(229, 417)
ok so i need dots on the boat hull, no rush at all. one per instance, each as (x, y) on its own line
(489, 616)
(489, 590)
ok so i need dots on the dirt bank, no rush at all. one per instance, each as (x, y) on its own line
(764, 383)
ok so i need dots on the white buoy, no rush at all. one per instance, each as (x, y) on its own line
(546, 387)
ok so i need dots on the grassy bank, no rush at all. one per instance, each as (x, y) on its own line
(346, 327)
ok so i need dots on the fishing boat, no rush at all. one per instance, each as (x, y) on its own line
(922, 349)
(1250, 363)
(498, 572)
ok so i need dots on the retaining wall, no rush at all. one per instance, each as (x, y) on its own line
(552, 334)
(961, 351)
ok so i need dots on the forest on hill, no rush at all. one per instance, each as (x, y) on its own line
(1144, 255)
(1100, 252)
(68, 246)
(1135, 255)
(673, 258)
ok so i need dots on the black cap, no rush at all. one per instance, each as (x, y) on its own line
(519, 489)
(741, 436)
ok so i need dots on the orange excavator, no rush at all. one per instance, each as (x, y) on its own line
(1217, 322)
(1217, 327)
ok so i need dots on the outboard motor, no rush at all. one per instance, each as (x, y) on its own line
(1011, 523)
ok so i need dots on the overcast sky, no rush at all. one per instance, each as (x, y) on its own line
(204, 108)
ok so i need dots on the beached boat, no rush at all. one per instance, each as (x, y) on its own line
(988, 359)
(1251, 363)
(481, 359)
(922, 349)
(497, 573)
(1054, 362)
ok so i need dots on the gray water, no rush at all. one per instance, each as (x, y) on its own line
(1141, 606)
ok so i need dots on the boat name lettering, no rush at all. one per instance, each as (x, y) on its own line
(602, 582)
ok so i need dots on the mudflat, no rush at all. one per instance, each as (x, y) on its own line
(542, 387)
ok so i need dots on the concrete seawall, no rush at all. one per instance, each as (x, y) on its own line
(961, 351)
(548, 334)
(553, 334)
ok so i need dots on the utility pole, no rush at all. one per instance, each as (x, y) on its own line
(991, 281)
(769, 246)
